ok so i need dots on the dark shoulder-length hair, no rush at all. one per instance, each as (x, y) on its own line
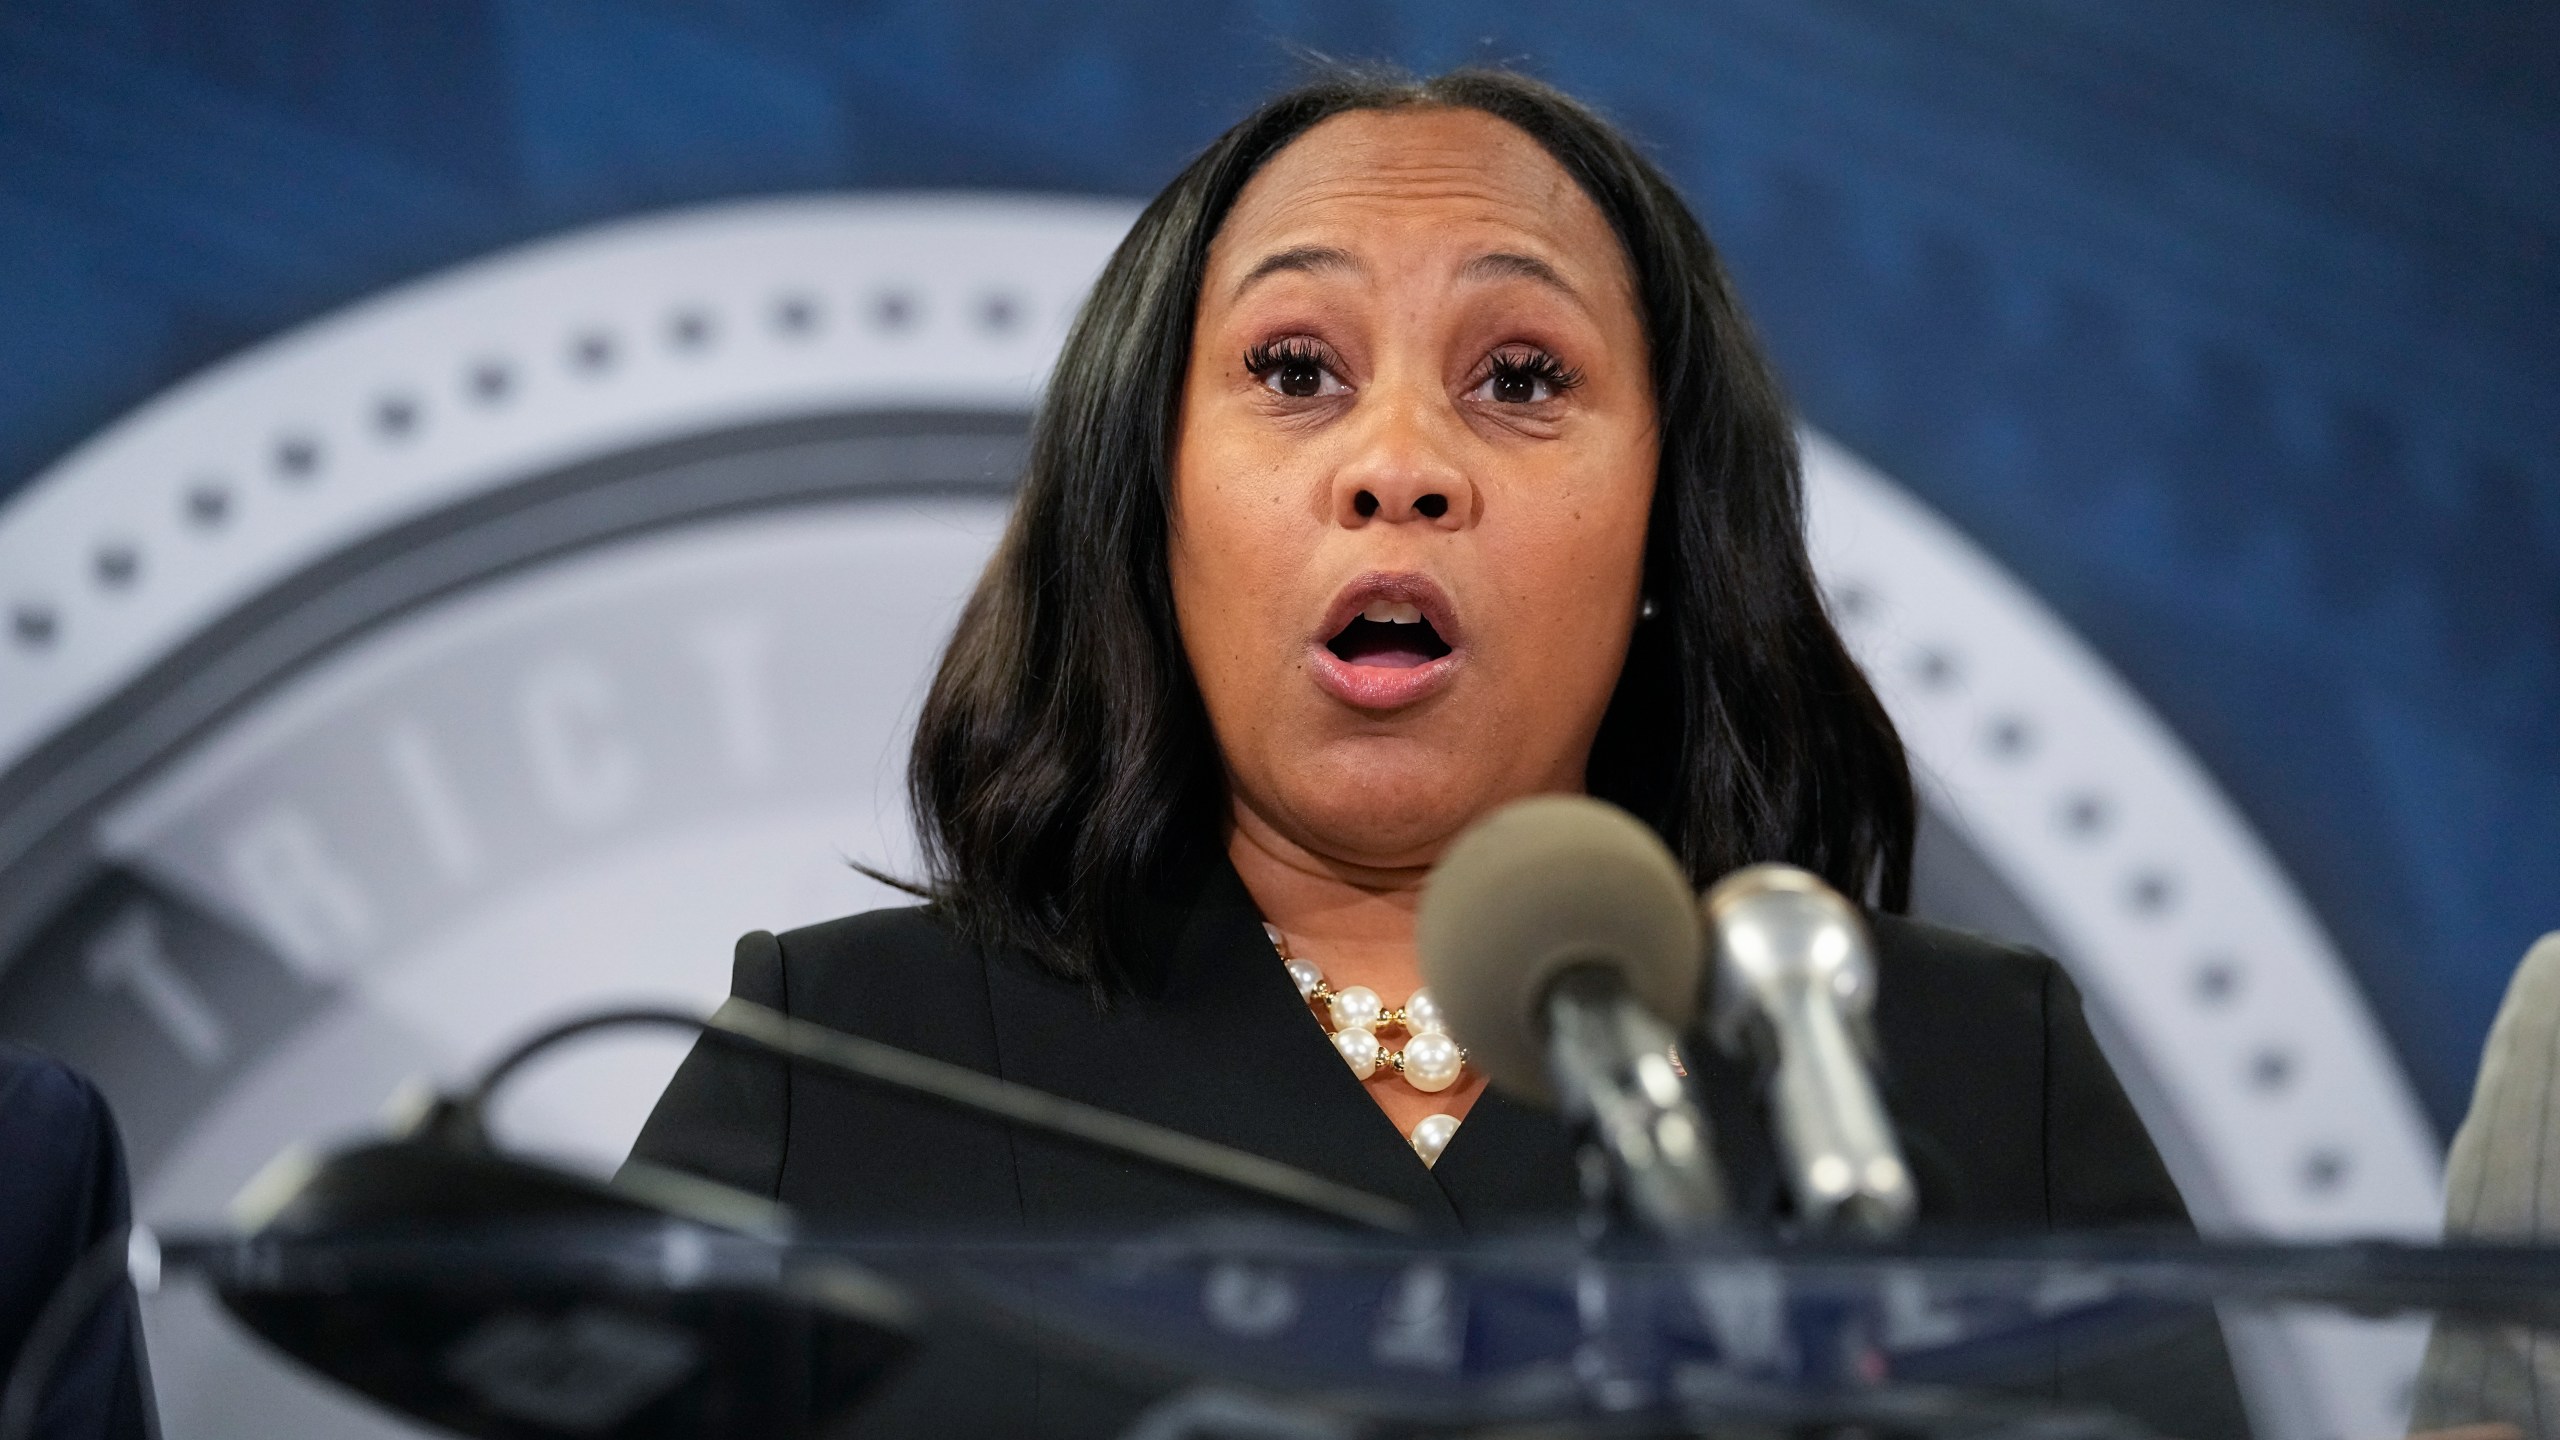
(1063, 763)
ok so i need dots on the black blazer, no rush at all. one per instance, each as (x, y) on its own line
(2010, 1112)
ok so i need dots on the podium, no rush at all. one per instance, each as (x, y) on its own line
(590, 1314)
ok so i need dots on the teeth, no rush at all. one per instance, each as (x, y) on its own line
(1392, 612)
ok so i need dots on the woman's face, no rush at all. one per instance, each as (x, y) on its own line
(1415, 461)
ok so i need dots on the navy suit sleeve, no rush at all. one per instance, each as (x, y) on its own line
(62, 1192)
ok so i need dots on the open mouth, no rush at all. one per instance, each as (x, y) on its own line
(1390, 635)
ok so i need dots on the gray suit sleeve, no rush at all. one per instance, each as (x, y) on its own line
(2502, 1182)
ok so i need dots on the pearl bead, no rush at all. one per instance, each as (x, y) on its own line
(1431, 1136)
(1431, 1061)
(1356, 1008)
(1306, 977)
(1422, 1014)
(1360, 1049)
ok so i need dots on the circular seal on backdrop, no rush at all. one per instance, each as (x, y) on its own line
(509, 643)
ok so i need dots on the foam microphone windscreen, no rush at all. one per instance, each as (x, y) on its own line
(1534, 889)
(2502, 1182)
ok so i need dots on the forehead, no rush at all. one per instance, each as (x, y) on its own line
(1434, 179)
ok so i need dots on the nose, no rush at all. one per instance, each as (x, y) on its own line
(1404, 470)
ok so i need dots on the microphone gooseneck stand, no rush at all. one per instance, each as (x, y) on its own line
(768, 1031)
(1610, 1059)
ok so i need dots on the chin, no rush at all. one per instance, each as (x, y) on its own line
(1393, 816)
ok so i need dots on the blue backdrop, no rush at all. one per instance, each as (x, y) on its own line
(2227, 325)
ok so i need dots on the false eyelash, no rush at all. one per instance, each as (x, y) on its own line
(1536, 365)
(1270, 355)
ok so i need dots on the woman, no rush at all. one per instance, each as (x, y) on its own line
(1410, 456)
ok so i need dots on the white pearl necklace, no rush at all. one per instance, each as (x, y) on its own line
(1430, 1061)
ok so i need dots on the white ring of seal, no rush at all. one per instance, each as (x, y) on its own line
(2243, 1035)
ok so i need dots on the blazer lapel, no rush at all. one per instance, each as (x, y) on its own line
(1217, 1045)
(1510, 1164)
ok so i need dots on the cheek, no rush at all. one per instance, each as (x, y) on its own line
(1575, 565)
(1234, 543)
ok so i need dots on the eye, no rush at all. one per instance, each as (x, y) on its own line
(1524, 377)
(1295, 368)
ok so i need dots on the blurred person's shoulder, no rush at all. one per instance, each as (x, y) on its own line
(37, 1086)
(54, 1126)
(62, 1180)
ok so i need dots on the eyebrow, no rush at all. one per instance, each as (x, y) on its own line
(1305, 259)
(1492, 265)
(1506, 265)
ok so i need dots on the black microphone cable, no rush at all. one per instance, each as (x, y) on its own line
(758, 1028)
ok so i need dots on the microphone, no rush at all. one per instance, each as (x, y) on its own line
(1794, 984)
(1562, 940)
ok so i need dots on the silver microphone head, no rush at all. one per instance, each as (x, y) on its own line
(1795, 983)
(1776, 928)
